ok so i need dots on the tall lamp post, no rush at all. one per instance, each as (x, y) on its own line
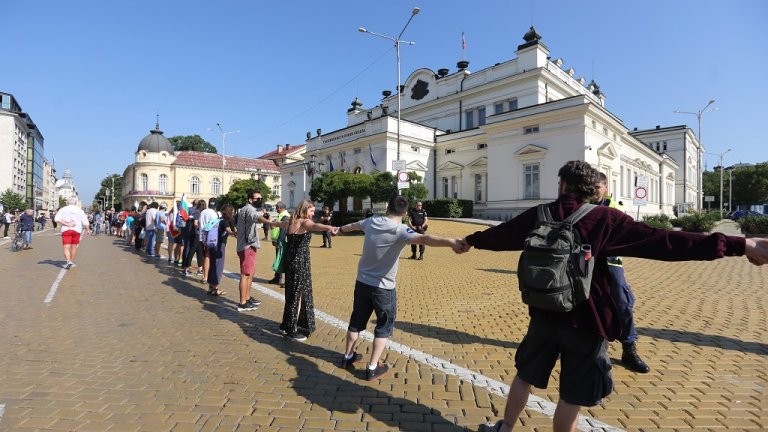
(223, 150)
(397, 42)
(730, 190)
(721, 155)
(698, 115)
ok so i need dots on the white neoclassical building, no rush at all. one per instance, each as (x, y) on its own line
(499, 135)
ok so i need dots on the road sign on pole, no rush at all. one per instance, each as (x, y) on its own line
(398, 165)
(640, 197)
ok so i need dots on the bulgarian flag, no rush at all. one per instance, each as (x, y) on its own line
(175, 232)
(182, 209)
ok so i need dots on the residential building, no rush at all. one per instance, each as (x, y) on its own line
(161, 174)
(498, 136)
(14, 131)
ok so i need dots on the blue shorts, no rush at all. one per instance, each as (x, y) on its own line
(370, 299)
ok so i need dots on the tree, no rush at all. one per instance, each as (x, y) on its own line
(416, 191)
(335, 186)
(191, 143)
(13, 201)
(238, 193)
(750, 185)
(106, 185)
(383, 187)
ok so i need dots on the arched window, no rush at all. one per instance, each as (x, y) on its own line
(144, 182)
(215, 186)
(163, 183)
(358, 170)
(194, 185)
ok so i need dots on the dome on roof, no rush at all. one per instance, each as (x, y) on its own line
(155, 142)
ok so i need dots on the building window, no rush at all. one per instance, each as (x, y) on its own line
(479, 188)
(513, 104)
(594, 124)
(498, 108)
(481, 116)
(194, 185)
(445, 187)
(469, 118)
(530, 129)
(482, 146)
(454, 187)
(291, 199)
(163, 183)
(665, 145)
(628, 190)
(449, 151)
(144, 182)
(215, 186)
(357, 150)
(276, 190)
(415, 149)
(275, 179)
(531, 172)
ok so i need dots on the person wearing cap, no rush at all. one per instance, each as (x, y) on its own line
(161, 224)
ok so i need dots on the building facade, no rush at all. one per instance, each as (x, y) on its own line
(163, 175)
(13, 146)
(498, 136)
(66, 188)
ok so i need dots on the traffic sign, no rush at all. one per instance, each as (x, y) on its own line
(398, 165)
(403, 185)
(709, 198)
(641, 196)
(402, 176)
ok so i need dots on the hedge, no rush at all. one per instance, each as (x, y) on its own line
(449, 208)
(658, 221)
(753, 224)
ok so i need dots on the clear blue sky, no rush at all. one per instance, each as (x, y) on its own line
(93, 73)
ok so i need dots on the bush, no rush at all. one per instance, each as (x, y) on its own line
(340, 219)
(753, 224)
(676, 222)
(658, 221)
(697, 222)
(444, 207)
(467, 206)
(714, 216)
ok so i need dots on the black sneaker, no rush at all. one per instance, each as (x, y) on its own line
(247, 306)
(349, 363)
(274, 281)
(296, 336)
(257, 302)
(377, 373)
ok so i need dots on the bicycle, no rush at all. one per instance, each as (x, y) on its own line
(18, 239)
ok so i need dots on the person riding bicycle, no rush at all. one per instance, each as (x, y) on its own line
(25, 225)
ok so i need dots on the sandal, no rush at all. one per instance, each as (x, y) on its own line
(216, 292)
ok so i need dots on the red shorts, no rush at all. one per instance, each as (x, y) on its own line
(70, 237)
(247, 260)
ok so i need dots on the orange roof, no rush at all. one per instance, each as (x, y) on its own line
(213, 160)
(277, 154)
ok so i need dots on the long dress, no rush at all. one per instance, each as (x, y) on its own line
(299, 311)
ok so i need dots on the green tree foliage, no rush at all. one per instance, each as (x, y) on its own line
(106, 185)
(62, 202)
(191, 143)
(750, 185)
(238, 193)
(13, 201)
(332, 187)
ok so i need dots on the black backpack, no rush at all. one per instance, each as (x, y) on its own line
(555, 267)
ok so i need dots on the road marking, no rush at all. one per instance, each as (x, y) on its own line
(2, 410)
(498, 388)
(55, 286)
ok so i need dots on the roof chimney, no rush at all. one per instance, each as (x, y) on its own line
(658, 126)
(279, 148)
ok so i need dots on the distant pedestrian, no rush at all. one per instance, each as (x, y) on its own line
(385, 238)
(279, 243)
(418, 221)
(325, 218)
(206, 215)
(26, 224)
(72, 219)
(7, 219)
(226, 229)
(42, 220)
(191, 241)
(266, 227)
(139, 223)
(149, 227)
(161, 225)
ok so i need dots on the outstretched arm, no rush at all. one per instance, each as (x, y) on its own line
(437, 241)
(311, 226)
(756, 250)
(350, 227)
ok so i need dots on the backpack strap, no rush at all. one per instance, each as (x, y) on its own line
(579, 213)
(544, 214)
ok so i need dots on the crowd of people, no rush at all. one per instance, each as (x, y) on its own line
(578, 337)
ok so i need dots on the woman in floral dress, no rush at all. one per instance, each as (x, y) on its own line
(299, 313)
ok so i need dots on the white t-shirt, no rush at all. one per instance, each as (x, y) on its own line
(206, 216)
(72, 213)
(150, 218)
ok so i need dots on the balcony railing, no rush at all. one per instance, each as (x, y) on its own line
(150, 192)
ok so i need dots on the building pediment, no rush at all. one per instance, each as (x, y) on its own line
(530, 150)
(608, 150)
(450, 165)
(479, 162)
(416, 166)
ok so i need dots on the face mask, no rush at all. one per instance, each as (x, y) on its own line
(258, 202)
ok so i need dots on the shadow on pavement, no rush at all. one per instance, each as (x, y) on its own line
(315, 385)
(700, 339)
(55, 263)
(501, 271)
(450, 336)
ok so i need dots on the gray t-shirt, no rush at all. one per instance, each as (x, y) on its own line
(248, 228)
(384, 240)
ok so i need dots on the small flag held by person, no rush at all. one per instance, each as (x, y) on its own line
(182, 209)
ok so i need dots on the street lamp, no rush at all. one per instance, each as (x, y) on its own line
(397, 42)
(721, 155)
(223, 150)
(730, 190)
(112, 177)
(309, 168)
(698, 115)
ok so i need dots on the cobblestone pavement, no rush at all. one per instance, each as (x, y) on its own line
(127, 344)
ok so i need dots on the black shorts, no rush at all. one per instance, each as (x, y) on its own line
(585, 368)
(369, 299)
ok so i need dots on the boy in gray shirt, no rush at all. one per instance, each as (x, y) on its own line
(385, 238)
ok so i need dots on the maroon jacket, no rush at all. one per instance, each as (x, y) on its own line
(611, 233)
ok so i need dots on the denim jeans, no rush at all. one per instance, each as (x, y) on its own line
(625, 302)
(149, 237)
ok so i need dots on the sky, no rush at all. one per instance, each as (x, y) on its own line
(94, 74)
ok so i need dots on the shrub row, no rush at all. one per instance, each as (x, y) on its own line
(753, 224)
(697, 221)
(449, 208)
